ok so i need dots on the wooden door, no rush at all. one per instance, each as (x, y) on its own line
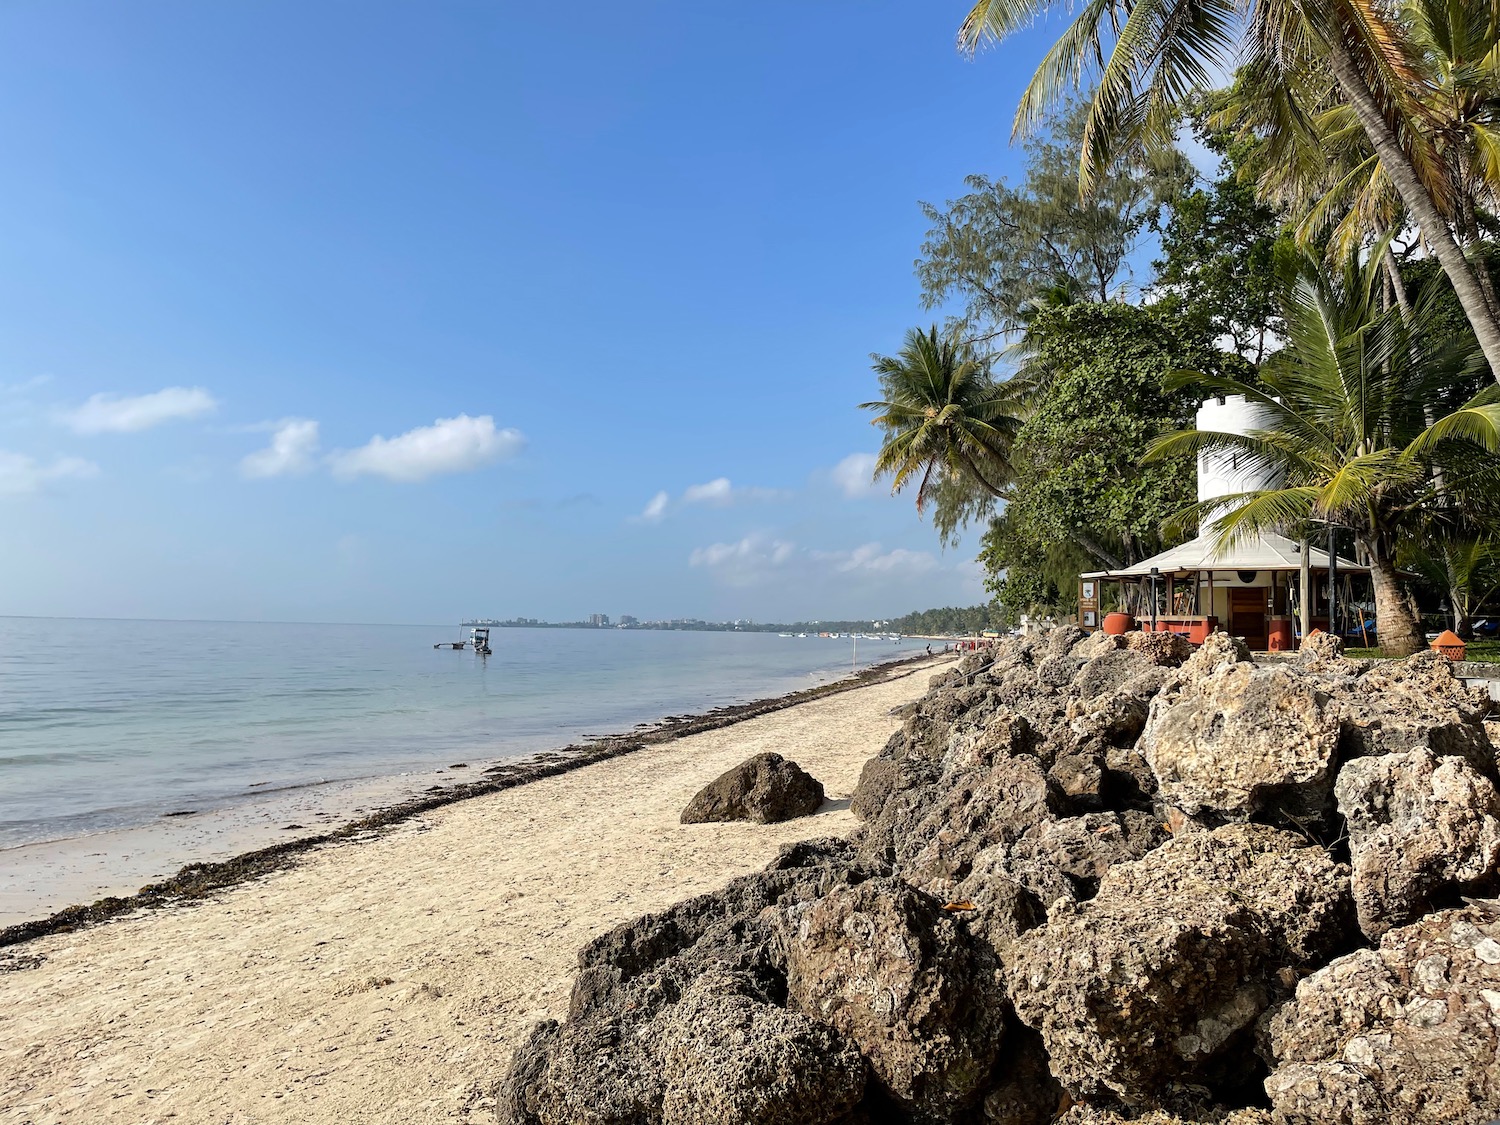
(1247, 615)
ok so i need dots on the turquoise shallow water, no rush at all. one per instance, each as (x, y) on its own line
(109, 724)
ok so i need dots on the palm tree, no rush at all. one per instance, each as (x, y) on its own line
(1318, 161)
(1152, 55)
(1467, 568)
(1345, 432)
(947, 423)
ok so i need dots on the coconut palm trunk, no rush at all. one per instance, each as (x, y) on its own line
(1435, 229)
(1399, 631)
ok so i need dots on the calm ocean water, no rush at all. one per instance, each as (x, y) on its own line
(108, 724)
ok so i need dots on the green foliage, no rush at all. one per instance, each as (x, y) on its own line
(1082, 500)
(948, 426)
(1443, 316)
(1001, 249)
(1028, 573)
(1081, 450)
(949, 621)
(1220, 247)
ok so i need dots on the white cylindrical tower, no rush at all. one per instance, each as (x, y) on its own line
(1223, 472)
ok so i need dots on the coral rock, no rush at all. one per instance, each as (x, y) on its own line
(1405, 1034)
(767, 788)
(888, 968)
(1240, 739)
(1421, 829)
(1160, 978)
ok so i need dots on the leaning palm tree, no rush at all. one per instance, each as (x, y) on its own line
(1150, 56)
(1344, 432)
(948, 425)
(1318, 162)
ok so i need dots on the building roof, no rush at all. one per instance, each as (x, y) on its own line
(1266, 551)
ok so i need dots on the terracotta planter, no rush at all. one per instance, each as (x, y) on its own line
(1117, 623)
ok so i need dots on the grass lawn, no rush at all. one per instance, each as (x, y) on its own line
(1485, 652)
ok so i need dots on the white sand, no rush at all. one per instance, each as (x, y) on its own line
(388, 980)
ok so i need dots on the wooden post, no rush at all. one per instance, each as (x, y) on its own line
(1333, 577)
(1306, 591)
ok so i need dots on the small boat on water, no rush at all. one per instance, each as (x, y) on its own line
(478, 640)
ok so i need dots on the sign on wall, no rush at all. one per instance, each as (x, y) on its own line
(1088, 603)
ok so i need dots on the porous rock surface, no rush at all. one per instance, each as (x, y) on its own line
(766, 789)
(1422, 830)
(1403, 1034)
(1097, 880)
(882, 964)
(1161, 976)
(1241, 738)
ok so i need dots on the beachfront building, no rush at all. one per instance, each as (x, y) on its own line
(1266, 589)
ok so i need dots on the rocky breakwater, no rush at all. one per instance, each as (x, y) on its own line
(1098, 879)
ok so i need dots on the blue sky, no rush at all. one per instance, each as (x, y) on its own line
(404, 312)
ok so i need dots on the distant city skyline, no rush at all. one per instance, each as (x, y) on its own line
(525, 309)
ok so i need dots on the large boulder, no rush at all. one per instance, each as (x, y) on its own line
(1422, 829)
(1207, 1115)
(618, 1058)
(1005, 901)
(885, 965)
(728, 1057)
(933, 835)
(766, 789)
(1116, 709)
(978, 745)
(1217, 650)
(1169, 650)
(1162, 976)
(1084, 848)
(1242, 739)
(592, 1073)
(720, 1053)
(1415, 704)
(1405, 1034)
(1080, 777)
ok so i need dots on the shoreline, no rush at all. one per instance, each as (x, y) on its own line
(390, 982)
(197, 879)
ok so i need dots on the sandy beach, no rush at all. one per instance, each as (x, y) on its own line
(387, 979)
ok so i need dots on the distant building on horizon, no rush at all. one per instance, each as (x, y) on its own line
(599, 619)
(626, 619)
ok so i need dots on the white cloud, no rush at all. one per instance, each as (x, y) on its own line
(870, 558)
(21, 475)
(449, 445)
(111, 414)
(716, 492)
(657, 508)
(293, 445)
(854, 476)
(746, 562)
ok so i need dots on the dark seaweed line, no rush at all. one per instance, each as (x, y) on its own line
(197, 880)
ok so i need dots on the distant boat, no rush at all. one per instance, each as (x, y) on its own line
(784, 634)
